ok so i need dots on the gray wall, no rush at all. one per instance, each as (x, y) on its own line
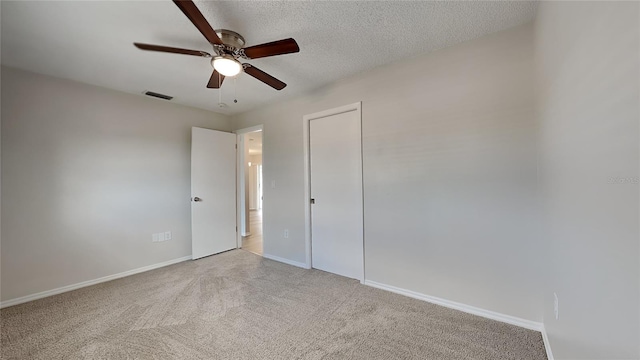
(588, 88)
(449, 172)
(88, 174)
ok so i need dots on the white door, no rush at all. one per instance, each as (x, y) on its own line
(336, 189)
(213, 192)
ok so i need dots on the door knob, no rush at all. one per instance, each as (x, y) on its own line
(196, 199)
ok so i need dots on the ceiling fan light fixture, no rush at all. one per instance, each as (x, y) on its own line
(227, 65)
(229, 47)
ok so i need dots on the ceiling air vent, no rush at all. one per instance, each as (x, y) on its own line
(157, 95)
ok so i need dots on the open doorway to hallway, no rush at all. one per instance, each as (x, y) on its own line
(252, 204)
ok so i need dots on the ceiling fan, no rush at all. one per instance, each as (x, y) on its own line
(228, 49)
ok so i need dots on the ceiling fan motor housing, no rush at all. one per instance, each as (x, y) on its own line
(231, 38)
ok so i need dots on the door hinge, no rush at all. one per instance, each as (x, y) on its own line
(236, 146)
(236, 229)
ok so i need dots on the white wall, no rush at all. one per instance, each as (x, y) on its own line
(244, 198)
(255, 159)
(449, 172)
(588, 77)
(254, 193)
(88, 174)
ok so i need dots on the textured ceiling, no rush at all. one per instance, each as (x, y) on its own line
(91, 42)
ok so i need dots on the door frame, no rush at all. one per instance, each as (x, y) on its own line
(240, 178)
(357, 107)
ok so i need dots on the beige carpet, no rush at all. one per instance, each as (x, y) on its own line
(237, 305)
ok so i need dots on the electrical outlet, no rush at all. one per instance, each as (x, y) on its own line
(167, 235)
(555, 306)
(286, 233)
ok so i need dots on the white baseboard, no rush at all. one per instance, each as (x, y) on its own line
(527, 324)
(79, 285)
(547, 344)
(286, 261)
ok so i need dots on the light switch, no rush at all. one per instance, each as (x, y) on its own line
(167, 235)
(154, 237)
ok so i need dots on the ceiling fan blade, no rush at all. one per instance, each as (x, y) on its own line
(216, 80)
(264, 77)
(171, 50)
(279, 47)
(196, 17)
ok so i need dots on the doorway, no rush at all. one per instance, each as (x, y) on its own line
(250, 190)
(333, 171)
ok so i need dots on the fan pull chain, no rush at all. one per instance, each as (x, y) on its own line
(235, 89)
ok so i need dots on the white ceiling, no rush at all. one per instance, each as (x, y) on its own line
(91, 42)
